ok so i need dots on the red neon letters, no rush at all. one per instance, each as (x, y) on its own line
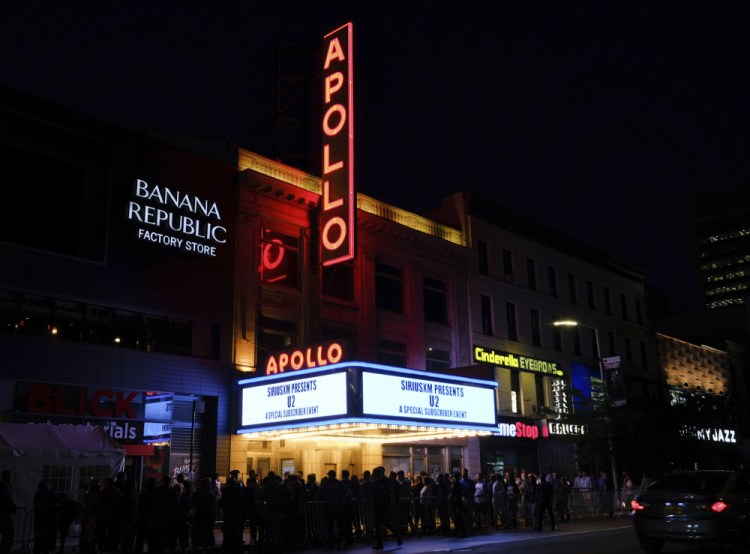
(338, 200)
(315, 356)
(60, 400)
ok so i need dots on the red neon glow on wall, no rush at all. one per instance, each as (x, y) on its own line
(337, 221)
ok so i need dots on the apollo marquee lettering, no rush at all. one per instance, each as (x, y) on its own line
(338, 202)
(175, 219)
(308, 358)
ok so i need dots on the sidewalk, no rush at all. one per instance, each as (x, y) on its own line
(420, 544)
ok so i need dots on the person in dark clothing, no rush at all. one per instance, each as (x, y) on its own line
(347, 514)
(7, 509)
(144, 508)
(107, 510)
(294, 516)
(126, 511)
(182, 521)
(545, 495)
(273, 500)
(203, 502)
(87, 540)
(67, 514)
(382, 501)
(45, 519)
(232, 504)
(166, 504)
(333, 493)
(456, 503)
(365, 489)
(251, 508)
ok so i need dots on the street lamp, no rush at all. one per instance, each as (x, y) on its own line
(574, 323)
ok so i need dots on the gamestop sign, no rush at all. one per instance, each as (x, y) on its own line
(338, 200)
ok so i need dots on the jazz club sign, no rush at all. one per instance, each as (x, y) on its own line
(338, 198)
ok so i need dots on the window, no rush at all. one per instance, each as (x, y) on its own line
(508, 265)
(272, 336)
(572, 288)
(487, 327)
(59, 319)
(338, 281)
(484, 257)
(57, 204)
(590, 295)
(391, 353)
(515, 391)
(644, 357)
(557, 335)
(279, 258)
(389, 288)
(510, 311)
(576, 340)
(536, 328)
(638, 313)
(435, 301)
(552, 279)
(624, 306)
(611, 341)
(628, 351)
(531, 272)
(437, 360)
(607, 301)
(540, 396)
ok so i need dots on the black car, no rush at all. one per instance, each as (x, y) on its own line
(694, 507)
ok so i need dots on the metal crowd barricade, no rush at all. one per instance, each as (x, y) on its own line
(23, 525)
(401, 513)
(315, 523)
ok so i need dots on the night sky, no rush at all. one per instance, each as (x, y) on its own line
(599, 119)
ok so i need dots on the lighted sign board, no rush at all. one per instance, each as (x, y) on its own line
(174, 219)
(338, 201)
(538, 429)
(560, 398)
(305, 358)
(515, 361)
(297, 400)
(365, 393)
(279, 258)
(426, 398)
(709, 434)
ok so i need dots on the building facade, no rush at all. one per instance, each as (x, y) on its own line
(114, 251)
(722, 242)
(525, 281)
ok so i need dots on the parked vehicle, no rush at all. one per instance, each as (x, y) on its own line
(694, 507)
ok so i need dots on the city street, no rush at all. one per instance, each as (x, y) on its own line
(583, 537)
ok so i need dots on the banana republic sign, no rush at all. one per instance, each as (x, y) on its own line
(174, 219)
(516, 361)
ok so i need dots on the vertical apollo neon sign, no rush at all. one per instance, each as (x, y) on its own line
(338, 199)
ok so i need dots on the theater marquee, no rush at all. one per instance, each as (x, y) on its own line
(366, 402)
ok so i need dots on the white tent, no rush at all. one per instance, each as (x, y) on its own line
(62, 455)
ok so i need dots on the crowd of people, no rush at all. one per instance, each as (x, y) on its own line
(281, 513)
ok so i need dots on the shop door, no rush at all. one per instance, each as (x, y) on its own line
(264, 466)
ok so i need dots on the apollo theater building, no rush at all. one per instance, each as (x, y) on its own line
(350, 316)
